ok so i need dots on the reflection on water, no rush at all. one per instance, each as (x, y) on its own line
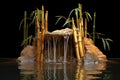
(10, 70)
(61, 71)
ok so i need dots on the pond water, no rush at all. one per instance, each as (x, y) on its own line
(11, 70)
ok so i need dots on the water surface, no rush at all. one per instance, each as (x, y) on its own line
(11, 70)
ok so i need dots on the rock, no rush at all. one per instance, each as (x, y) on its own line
(66, 31)
(27, 55)
(91, 48)
(90, 59)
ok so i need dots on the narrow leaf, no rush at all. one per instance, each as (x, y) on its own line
(21, 24)
(108, 46)
(66, 22)
(104, 45)
(88, 16)
(59, 18)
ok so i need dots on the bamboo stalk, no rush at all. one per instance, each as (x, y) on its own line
(79, 43)
(82, 28)
(38, 16)
(83, 35)
(80, 40)
(94, 27)
(85, 27)
(38, 41)
(46, 21)
(27, 34)
(25, 26)
(43, 18)
(81, 32)
(43, 32)
(75, 40)
(80, 7)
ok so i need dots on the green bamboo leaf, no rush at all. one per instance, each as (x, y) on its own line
(88, 16)
(59, 18)
(32, 14)
(75, 9)
(23, 42)
(89, 35)
(99, 35)
(21, 24)
(27, 39)
(39, 14)
(107, 43)
(108, 39)
(30, 39)
(32, 19)
(104, 44)
(67, 22)
(32, 22)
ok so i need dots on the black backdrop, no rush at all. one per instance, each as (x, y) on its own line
(107, 21)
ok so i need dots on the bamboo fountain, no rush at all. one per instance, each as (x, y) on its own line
(69, 45)
(65, 45)
(48, 43)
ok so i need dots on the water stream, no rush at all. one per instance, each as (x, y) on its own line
(66, 39)
(54, 48)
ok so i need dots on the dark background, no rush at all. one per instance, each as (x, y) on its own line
(107, 21)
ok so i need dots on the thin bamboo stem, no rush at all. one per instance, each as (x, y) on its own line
(85, 27)
(38, 41)
(80, 40)
(46, 21)
(25, 26)
(82, 27)
(83, 35)
(81, 32)
(43, 32)
(75, 40)
(26, 33)
(94, 27)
